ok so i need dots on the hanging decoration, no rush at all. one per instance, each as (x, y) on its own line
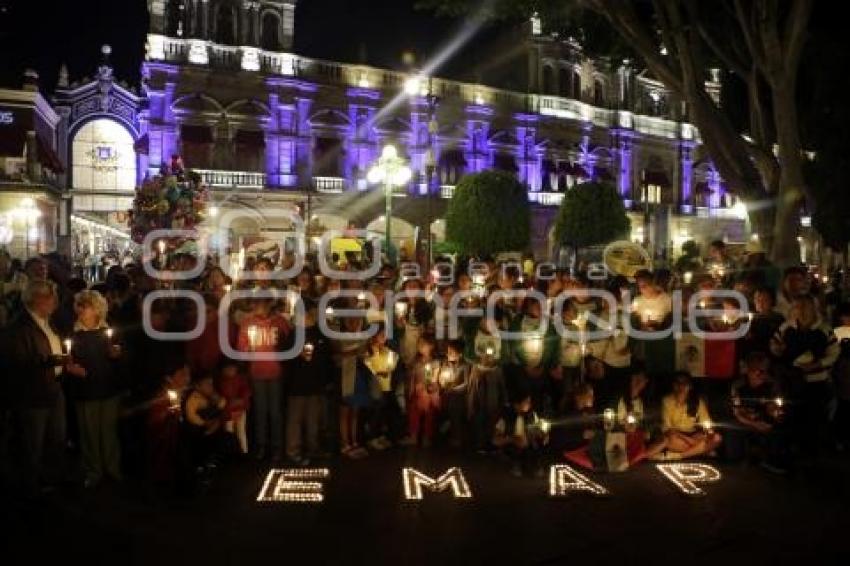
(173, 200)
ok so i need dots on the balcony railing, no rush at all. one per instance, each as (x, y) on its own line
(202, 52)
(447, 191)
(230, 179)
(329, 184)
(546, 199)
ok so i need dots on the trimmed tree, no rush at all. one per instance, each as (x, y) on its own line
(591, 214)
(489, 213)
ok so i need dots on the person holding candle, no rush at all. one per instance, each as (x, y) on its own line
(642, 435)
(758, 405)
(307, 377)
(353, 385)
(424, 387)
(162, 422)
(205, 441)
(486, 394)
(263, 331)
(685, 422)
(96, 389)
(416, 320)
(535, 355)
(454, 381)
(384, 369)
(653, 305)
(806, 348)
(763, 323)
(33, 360)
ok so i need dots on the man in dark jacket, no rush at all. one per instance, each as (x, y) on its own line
(307, 375)
(34, 357)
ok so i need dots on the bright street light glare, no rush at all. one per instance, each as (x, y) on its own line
(389, 152)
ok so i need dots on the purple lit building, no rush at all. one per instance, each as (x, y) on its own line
(269, 128)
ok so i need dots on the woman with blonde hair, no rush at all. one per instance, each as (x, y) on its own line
(95, 388)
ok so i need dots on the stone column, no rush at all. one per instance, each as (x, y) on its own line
(529, 160)
(686, 173)
(477, 134)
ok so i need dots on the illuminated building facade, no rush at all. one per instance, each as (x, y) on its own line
(266, 127)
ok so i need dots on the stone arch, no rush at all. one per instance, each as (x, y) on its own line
(270, 30)
(196, 103)
(102, 158)
(329, 117)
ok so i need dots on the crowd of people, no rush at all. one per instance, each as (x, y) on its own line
(89, 369)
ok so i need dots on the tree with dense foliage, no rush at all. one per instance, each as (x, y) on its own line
(591, 214)
(759, 41)
(489, 213)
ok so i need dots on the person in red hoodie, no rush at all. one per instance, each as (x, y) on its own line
(234, 387)
(262, 331)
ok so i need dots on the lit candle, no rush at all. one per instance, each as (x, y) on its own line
(688, 277)
(631, 420)
(68, 343)
(608, 417)
(545, 426)
(750, 316)
(707, 426)
(779, 401)
(725, 318)
(446, 376)
(825, 279)
(400, 309)
(173, 399)
(308, 349)
(702, 304)
(109, 333)
(489, 351)
(721, 272)
(161, 246)
(361, 296)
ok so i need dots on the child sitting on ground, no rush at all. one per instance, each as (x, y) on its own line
(522, 435)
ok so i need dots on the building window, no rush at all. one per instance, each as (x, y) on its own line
(327, 155)
(103, 158)
(599, 93)
(651, 194)
(196, 144)
(250, 149)
(548, 79)
(564, 83)
(270, 36)
(576, 85)
(225, 25)
(174, 18)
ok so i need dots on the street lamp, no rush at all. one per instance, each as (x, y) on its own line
(413, 87)
(28, 212)
(392, 171)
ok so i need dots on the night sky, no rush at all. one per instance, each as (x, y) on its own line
(39, 35)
